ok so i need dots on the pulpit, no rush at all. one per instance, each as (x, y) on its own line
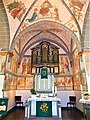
(3, 106)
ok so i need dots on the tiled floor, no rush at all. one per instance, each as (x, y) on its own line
(18, 114)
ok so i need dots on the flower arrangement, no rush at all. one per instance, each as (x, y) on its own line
(33, 91)
(87, 96)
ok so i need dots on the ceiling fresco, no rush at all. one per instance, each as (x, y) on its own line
(78, 8)
(22, 13)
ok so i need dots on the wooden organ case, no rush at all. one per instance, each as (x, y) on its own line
(45, 54)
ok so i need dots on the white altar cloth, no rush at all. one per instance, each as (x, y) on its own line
(84, 101)
(44, 99)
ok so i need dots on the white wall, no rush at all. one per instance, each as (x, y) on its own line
(78, 104)
(24, 93)
(11, 96)
(64, 96)
(1, 85)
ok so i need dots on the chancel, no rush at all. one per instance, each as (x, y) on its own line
(45, 103)
(45, 58)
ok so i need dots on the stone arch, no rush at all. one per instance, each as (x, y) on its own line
(50, 26)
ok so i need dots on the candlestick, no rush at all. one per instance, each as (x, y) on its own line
(81, 87)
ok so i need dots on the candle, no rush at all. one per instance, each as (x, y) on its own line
(81, 87)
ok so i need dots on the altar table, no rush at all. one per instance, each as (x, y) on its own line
(49, 107)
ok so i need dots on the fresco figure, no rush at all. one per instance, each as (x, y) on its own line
(77, 3)
(66, 69)
(45, 8)
(62, 66)
(46, 4)
(70, 24)
(24, 66)
(28, 66)
(56, 14)
(34, 16)
(68, 81)
(17, 9)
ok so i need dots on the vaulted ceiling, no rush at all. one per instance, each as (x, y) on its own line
(4, 28)
(46, 30)
(25, 23)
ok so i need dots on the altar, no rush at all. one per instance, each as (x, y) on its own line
(43, 107)
(86, 105)
(45, 103)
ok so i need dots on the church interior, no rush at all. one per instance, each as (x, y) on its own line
(45, 56)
